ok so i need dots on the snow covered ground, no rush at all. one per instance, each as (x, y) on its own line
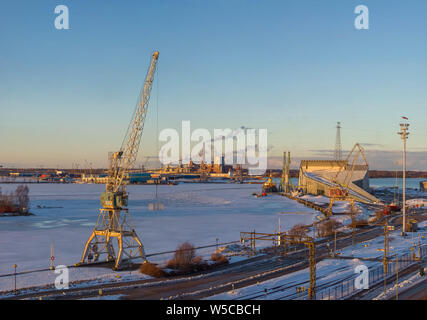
(200, 213)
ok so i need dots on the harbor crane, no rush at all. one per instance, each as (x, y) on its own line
(342, 193)
(114, 219)
(349, 171)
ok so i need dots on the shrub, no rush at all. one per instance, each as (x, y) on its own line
(185, 254)
(359, 223)
(328, 228)
(152, 270)
(298, 231)
(184, 257)
(15, 202)
(218, 258)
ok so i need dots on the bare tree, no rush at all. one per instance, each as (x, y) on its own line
(184, 257)
(22, 199)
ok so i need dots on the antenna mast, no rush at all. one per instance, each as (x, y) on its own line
(338, 149)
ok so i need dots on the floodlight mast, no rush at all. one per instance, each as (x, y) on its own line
(404, 136)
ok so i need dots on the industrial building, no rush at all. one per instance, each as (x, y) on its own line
(318, 177)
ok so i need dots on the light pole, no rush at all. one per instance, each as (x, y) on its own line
(404, 135)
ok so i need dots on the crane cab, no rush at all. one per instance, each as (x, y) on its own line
(112, 200)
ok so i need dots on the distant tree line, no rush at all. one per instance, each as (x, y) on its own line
(17, 202)
(392, 174)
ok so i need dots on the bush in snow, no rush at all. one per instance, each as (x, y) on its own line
(15, 202)
(152, 270)
(218, 258)
(185, 258)
(298, 231)
(328, 227)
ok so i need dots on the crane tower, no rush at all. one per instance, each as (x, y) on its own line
(114, 220)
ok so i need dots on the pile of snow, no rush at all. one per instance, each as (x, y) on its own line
(317, 200)
(233, 249)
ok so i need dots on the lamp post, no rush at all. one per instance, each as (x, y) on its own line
(404, 135)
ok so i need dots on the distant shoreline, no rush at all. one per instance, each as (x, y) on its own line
(277, 173)
(392, 174)
(372, 174)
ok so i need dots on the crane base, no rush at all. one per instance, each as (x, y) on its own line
(113, 232)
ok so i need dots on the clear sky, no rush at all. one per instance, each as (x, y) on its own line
(293, 67)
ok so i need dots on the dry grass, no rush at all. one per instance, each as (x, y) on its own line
(152, 270)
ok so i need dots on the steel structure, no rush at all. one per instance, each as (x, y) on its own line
(338, 148)
(343, 190)
(283, 239)
(286, 183)
(404, 135)
(114, 221)
(238, 175)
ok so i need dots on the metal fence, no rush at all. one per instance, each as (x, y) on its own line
(347, 289)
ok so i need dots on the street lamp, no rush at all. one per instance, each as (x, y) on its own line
(404, 135)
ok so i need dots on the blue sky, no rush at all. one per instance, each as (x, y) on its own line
(293, 67)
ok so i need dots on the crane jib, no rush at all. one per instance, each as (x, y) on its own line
(121, 161)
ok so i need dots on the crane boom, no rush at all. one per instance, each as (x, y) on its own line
(124, 159)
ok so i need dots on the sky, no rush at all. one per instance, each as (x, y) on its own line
(294, 67)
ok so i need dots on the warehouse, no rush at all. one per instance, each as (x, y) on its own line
(317, 177)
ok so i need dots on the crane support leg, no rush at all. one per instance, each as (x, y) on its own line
(113, 225)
